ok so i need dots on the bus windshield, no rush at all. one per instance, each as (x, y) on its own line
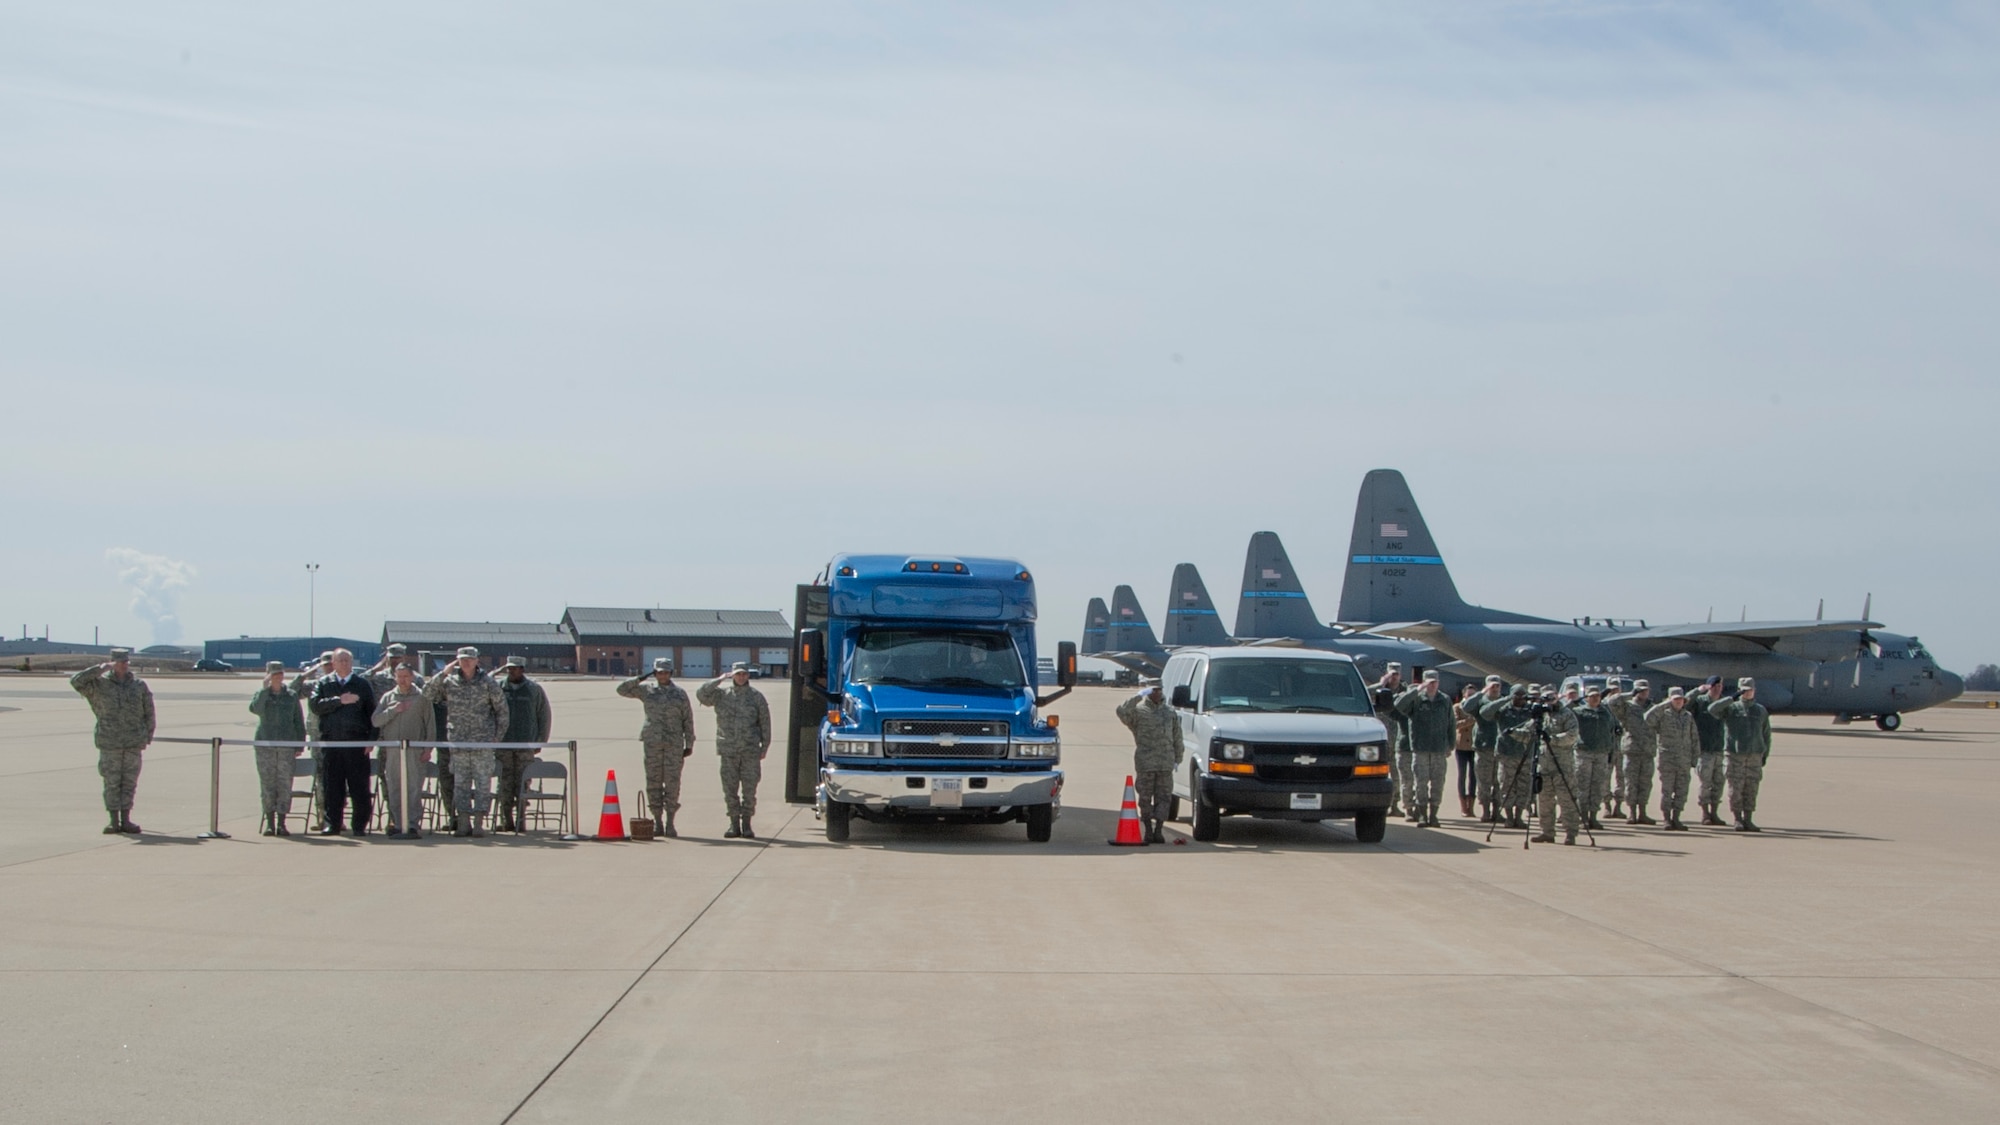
(1325, 686)
(913, 658)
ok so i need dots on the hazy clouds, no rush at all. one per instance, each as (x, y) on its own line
(1659, 306)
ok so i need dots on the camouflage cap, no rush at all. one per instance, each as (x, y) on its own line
(739, 669)
(1495, 680)
(1676, 693)
(1430, 675)
(1641, 685)
(1395, 666)
(396, 649)
(271, 666)
(516, 662)
(121, 654)
(468, 653)
(1746, 684)
(662, 664)
(1593, 689)
(1519, 689)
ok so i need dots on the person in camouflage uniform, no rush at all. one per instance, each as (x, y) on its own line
(475, 711)
(1638, 747)
(668, 738)
(1156, 754)
(528, 720)
(123, 705)
(1485, 747)
(1611, 794)
(1428, 713)
(1710, 765)
(1674, 733)
(742, 738)
(1560, 793)
(1384, 694)
(1513, 719)
(280, 711)
(1596, 746)
(1748, 726)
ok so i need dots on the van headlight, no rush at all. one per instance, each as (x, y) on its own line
(1233, 752)
(853, 748)
(1369, 753)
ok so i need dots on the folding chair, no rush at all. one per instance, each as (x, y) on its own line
(378, 784)
(537, 791)
(435, 807)
(303, 766)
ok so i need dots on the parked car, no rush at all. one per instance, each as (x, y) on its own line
(208, 665)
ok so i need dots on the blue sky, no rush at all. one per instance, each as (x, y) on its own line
(1660, 307)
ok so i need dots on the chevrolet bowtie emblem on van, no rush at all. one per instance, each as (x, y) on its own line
(947, 740)
(1305, 759)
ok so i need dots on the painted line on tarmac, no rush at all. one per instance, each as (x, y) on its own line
(764, 846)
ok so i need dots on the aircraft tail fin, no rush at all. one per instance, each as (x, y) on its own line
(1394, 569)
(1273, 602)
(1128, 630)
(1191, 616)
(1095, 619)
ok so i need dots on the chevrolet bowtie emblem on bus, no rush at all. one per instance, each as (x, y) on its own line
(947, 740)
(1305, 759)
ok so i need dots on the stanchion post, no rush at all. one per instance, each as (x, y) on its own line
(215, 831)
(403, 789)
(572, 834)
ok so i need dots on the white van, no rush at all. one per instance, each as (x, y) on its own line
(1278, 734)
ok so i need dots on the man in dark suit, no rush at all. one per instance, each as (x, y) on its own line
(345, 704)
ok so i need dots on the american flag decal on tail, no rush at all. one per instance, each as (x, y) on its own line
(1395, 531)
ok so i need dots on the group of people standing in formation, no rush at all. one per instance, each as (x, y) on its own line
(331, 703)
(1575, 752)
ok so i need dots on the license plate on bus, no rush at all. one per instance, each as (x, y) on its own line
(948, 792)
(1305, 800)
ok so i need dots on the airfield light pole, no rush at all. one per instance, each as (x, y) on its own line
(312, 602)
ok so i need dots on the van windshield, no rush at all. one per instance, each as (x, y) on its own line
(915, 658)
(1325, 686)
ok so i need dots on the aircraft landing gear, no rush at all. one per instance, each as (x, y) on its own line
(1890, 721)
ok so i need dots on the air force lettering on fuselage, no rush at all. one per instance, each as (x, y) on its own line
(1849, 669)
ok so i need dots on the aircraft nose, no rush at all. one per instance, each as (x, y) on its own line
(1951, 685)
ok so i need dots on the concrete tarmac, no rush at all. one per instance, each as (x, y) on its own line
(1842, 966)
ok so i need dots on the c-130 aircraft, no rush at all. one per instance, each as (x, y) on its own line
(1397, 585)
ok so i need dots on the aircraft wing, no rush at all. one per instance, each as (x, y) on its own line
(1407, 630)
(1765, 633)
(1146, 664)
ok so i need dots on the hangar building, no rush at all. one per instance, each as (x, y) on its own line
(249, 653)
(702, 643)
(546, 646)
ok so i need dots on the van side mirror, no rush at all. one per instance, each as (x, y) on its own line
(812, 654)
(1066, 664)
(1182, 697)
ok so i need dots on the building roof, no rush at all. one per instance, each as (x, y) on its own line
(490, 634)
(665, 624)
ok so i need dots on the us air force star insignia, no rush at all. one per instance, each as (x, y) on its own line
(1558, 660)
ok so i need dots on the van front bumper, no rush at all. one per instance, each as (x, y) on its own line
(912, 789)
(1272, 800)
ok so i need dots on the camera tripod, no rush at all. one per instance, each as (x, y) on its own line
(1539, 743)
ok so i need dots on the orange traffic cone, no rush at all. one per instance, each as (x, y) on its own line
(1129, 835)
(611, 825)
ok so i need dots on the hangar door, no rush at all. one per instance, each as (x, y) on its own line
(651, 654)
(698, 663)
(732, 656)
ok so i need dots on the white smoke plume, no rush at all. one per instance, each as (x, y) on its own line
(156, 582)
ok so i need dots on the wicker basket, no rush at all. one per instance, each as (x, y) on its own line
(641, 826)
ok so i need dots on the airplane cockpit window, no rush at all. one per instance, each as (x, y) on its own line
(1917, 650)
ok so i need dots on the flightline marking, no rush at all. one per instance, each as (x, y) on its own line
(692, 923)
(1759, 981)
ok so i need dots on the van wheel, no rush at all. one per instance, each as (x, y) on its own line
(1207, 819)
(1370, 827)
(838, 816)
(1889, 721)
(1041, 823)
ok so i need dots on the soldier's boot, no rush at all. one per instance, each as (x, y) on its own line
(747, 833)
(1748, 824)
(126, 824)
(117, 824)
(1545, 838)
(1642, 818)
(1570, 839)
(1709, 817)
(282, 827)
(458, 827)
(667, 827)
(478, 828)
(659, 825)
(735, 829)
(265, 827)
